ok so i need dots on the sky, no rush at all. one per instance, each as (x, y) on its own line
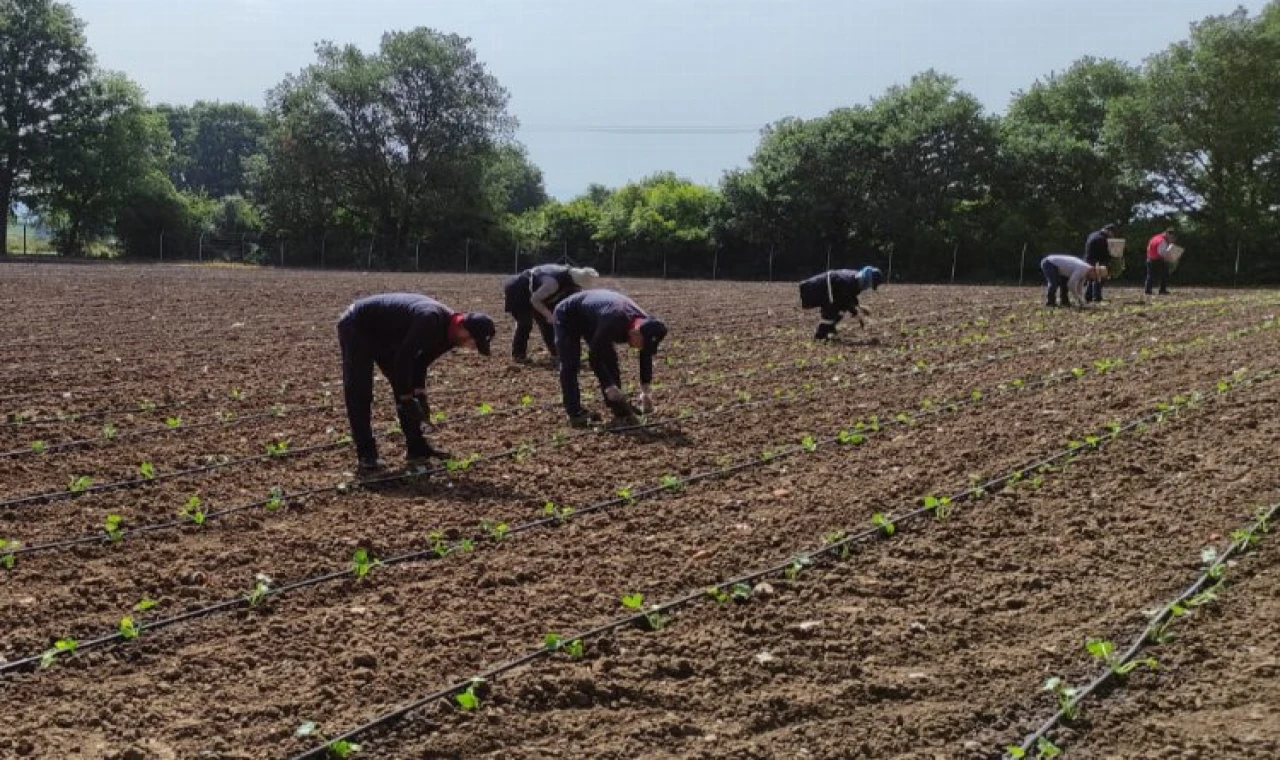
(682, 66)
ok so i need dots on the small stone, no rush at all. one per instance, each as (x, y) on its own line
(764, 658)
(918, 627)
(809, 626)
(763, 589)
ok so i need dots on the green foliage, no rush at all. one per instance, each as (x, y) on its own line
(65, 646)
(277, 448)
(467, 699)
(111, 526)
(79, 484)
(108, 431)
(1065, 694)
(1104, 650)
(147, 471)
(882, 522)
(362, 563)
(275, 500)
(7, 548)
(127, 629)
(193, 511)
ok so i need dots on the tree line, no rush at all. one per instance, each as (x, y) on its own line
(373, 157)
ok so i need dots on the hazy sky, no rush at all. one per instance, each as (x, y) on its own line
(574, 64)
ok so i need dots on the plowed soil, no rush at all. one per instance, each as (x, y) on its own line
(931, 644)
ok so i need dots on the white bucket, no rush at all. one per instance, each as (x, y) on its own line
(1172, 254)
(1116, 247)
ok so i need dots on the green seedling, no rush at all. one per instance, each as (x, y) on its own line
(797, 566)
(976, 489)
(277, 410)
(147, 471)
(237, 394)
(526, 401)
(1245, 538)
(65, 646)
(555, 643)
(672, 482)
(127, 629)
(1161, 635)
(467, 700)
(438, 418)
(173, 423)
(275, 499)
(1208, 555)
(495, 530)
(362, 563)
(873, 424)
(460, 465)
(466, 546)
(192, 511)
(744, 397)
(222, 415)
(438, 545)
(633, 601)
(39, 447)
(277, 448)
(939, 506)
(561, 514)
(145, 604)
(1065, 695)
(718, 594)
(147, 405)
(7, 548)
(1105, 651)
(1077, 371)
(741, 593)
(1018, 383)
(108, 431)
(1015, 752)
(485, 408)
(111, 526)
(1046, 749)
(627, 495)
(809, 444)
(882, 522)
(836, 537)
(79, 484)
(261, 587)
(850, 439)
(341, 749)
(523, 452)
(766, 455)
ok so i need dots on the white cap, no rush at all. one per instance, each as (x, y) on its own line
(584, 277)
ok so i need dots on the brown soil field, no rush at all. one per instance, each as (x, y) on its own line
(933, 642)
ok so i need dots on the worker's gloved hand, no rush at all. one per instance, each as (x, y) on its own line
(412, 409)
(613, 395)
(646, 402)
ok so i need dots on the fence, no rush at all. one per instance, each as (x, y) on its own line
(26, 239)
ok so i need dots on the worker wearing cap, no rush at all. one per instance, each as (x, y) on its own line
(1098, 253)
(603, 318)
(531, 296)
(402, 334)
(836, 292)
(1063, 273)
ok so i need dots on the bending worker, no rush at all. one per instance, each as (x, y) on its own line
(1063, 272)
(836, 292)
(1098, 253)
(402, 334)
(603, 318)
(532, 295)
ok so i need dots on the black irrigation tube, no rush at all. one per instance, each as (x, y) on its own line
(546, 522)
(53, 496)
(1204, 581)
(9, 420)
(284, 499)
(55, 447)
(798, 560)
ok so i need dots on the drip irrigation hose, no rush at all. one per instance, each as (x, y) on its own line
(1205, 580)
(805, 558)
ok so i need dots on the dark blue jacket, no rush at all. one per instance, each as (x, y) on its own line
(519, 288)
(838, 287)
(602, 318)
(1096, 250)
(406, 331)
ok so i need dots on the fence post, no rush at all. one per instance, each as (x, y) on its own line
(888, 277)
(715, 263)
(417, 256)
(243, 235)
(369, 265)
(24, 239)
(515, 263)
(323, 236)
(954, 254)
(771, 247)
(1235, 278)
(664, 264)
(466, 262)
(615, 258)
(161, 245)
(1022, 265)
(200, 247)
(282, 251)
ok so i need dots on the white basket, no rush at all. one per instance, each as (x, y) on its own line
(1116, 247)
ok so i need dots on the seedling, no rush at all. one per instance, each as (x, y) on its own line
(975, 395)
(1161, 634)
(766, 455)
(467, 699)
(438, 544)
(147, 405)
(835, 537)
(79, 484)
(108, 431)
(1104, 650)
(485, 408)
(278, 448)
(192, 511)
(145, 604)
(809, 444)
(882, 522)
(627, 495)
(458, 465)
(718, 594)
(1046, 749)
(561, 514)
(147, 471)
(633, 601)
(237, 394)
(526, 401)
(495, 530)
(275, 500)
(523, 452)
(277, 410)
(1077, 371)
(1065, 695)
(222, 415)
(362, 563)
(744, 396)
(341, 749)
(127, 628)
(173, 423)
(61, 646)
(7, 548)
(672, 482)
(261, 587)
(797, 566)
(111, 526)
(1245, 538)
(741, 593)
(39, 447)
(555, 643)
(939, 506)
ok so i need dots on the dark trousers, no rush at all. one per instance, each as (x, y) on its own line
(1158, 275)
(569, 347)
(831, 316)
(1093, 288)
(1057, 284)
(525, 318)
(357, 391)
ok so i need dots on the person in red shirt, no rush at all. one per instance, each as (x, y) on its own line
(1157, 267)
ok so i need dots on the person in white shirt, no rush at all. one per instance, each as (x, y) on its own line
(1064, 273)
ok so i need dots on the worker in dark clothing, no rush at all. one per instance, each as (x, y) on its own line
(532, 295)
(401, 333)
(835, 292)
(1097, 253)
(603, 318)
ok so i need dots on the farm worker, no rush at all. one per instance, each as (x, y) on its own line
(1096, 252)
(603, 318)
(835, 292)
(401, 333)
(532, 294)
(1157, 267)
(1063, 272)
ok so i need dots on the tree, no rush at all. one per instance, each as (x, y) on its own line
(213, 144)
(395, 144)
(45, 67)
